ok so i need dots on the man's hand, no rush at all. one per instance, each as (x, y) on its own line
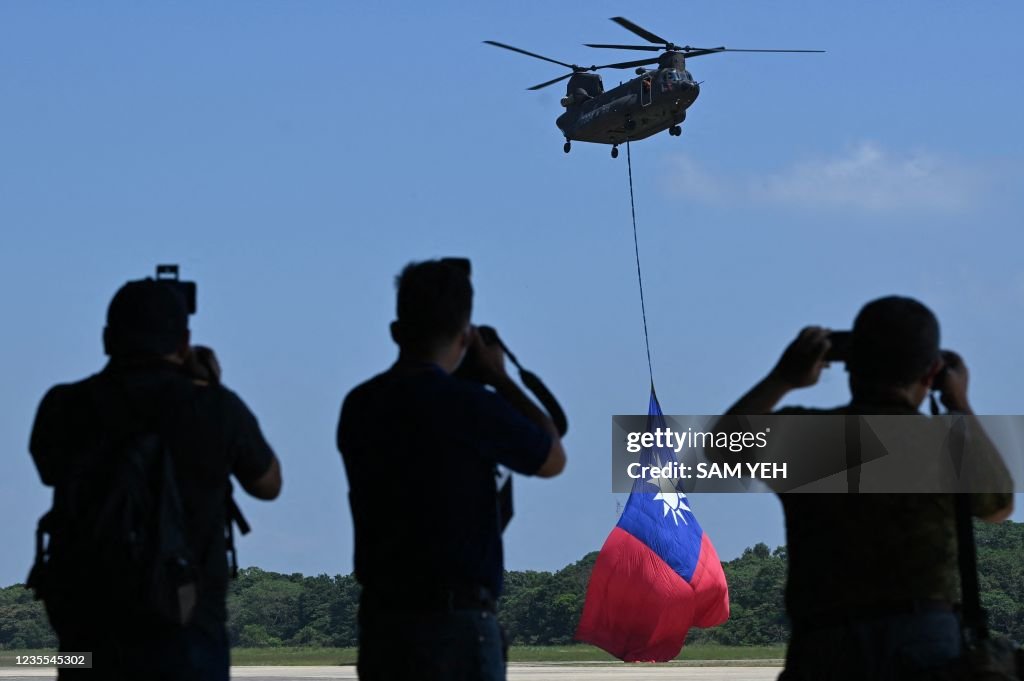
(801, 364)
(202, 365)
(952, 383)
(799, 367)
(483, 362)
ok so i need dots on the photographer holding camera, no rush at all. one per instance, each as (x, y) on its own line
(133, 558)
(873, 578)
(420, 448)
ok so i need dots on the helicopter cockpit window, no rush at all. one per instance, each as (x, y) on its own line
(678, 76)
(586, 85)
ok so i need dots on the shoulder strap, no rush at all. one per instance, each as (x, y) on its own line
(108, 402)
(974, 616)
(975, 620)
(116, 420)
(234, 517)
(114, 411)
(851, 434)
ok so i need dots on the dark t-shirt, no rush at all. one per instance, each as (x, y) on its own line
(862, 553)
(420, 449)
(210, 432)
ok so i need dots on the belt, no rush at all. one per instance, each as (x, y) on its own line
(439, 599)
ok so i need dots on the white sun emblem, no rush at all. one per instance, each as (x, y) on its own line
(674, 502)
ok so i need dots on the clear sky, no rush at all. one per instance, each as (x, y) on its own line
(292, 157)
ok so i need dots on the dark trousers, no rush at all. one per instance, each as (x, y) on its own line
(127, 649)
(881, 648)
(447, 645)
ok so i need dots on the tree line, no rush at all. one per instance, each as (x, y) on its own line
(538, 608)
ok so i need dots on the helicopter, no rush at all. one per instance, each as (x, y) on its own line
(656, 100)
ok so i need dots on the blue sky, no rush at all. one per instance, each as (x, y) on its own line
(293, 156)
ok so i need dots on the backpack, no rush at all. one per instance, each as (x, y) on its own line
(116, 536)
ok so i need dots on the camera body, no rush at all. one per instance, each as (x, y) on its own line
(842, 343)
(461, 264)
(187, 289)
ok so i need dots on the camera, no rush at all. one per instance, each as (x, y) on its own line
(841, 342)
(187, 289)
(461, 264)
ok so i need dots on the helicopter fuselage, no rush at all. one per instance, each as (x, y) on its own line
(656, 100)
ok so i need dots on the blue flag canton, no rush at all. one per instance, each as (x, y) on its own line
(658, 514)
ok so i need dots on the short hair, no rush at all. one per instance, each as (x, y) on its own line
(895, 341)
(145, 317)
(435, 300)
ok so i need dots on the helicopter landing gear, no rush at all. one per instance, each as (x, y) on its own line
(675, 131)
(567, 146)
(615, 151)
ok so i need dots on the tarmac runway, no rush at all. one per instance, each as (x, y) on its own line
(517, 672)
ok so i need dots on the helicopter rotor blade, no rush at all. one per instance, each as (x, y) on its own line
(642, 32)
(630, 64)
(713, 50)
(702, 52)
(532, 54)
(732, 49)
(648, 48)
(550, 82)
(687, 50)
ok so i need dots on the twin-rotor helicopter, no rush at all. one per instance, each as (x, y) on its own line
(656, 100)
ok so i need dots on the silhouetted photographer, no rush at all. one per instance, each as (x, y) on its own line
(873, 579)
(420, 446)
(134, 557)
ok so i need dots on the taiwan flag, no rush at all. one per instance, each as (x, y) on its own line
(657, 574)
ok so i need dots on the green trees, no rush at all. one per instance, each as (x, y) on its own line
(23, 622)
(541, 608)
(756, 611)
(1001, 576)
(538, 608)
(270, 609)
